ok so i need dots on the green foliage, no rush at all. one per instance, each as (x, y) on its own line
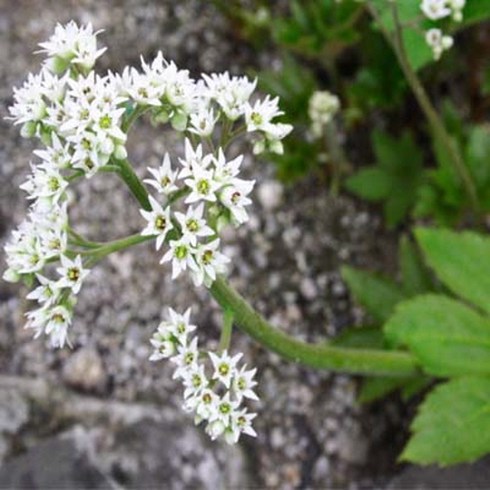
(450, 339)
(447, 337)
(453, 423)
(377, 294)
(379, 83)
(317, 27)
(394, 179)
(414, 24)
(461, 261)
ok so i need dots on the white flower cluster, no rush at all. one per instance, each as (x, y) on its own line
(217, 399)
(213, 191)
(322, 107)
(437, 10)
(82, 120)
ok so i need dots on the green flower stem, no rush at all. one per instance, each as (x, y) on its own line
(79, 241)
(320, 356)
(338, 159)
(225, 339)
(96, 254)
(136, 112)
(438, 128)
(134, 183)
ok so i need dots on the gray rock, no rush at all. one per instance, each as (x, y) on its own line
(474, 476)
(52, 464)
(84, 370)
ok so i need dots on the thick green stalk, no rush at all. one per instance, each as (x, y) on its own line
(226, 330)
(134, 183)
(438, 128)
(320, 356)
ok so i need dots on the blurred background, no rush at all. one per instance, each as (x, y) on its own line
(100, 415)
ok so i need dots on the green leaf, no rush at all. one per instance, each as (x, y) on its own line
(360, 338)
(478, 155)
(370, 183)
(377, 294)
(453, 423)
(396, 177)
(416, 277)
(447, 337)
(461, 261)
(475, 11)
(373, 389)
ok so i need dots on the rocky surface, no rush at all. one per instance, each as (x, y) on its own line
(311, 432)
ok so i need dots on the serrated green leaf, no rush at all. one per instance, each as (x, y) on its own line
(377, 294)
(416, 277)
(453, 423)
(397, 206)
(370, 183)
(461, 261)
(396, 177)
(448, 338)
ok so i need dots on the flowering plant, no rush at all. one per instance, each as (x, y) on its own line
(82, 120)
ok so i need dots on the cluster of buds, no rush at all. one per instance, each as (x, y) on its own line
(216, 400)
(82, 119)
(322, 107)
(437, 10)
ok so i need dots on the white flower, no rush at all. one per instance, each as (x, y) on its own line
(202, 122)
(186, 359)
(72, 273)
(193, 225)
(193, 159)
(234, 197)
(210, 262)
(163, 177)
(225, 171)
(231, 94)
(159, 222)
(203, 185)
(224, 410)
(241, 422)
(29, 105)
(45, 182)
(57, 155)
(72, 44)
(142, 90)
(47, 292)
(258, 116)
(457, 7)
(194, 381)
(181, 255)
(224, 366)
(179, 325)
(322, 107)
(163, 343)
(438, 42)
(435, 9)
(203, 403)
(53, 321)
(243, 383)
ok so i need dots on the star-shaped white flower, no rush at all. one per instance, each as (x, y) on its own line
(163, 177)
(159, 222)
